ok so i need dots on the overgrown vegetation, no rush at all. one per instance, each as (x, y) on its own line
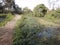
(29, 32)
(26, 32)
(53, 15)
(34, 28)
(4, 18)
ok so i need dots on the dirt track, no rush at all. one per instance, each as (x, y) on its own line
(6, 32)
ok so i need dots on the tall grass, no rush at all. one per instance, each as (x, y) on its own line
(5, 18)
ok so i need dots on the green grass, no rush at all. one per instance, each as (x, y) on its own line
(52, 19)
(53, 16)
(7, 17)
(26, 28)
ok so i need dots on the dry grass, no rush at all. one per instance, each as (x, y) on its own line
(47, 23)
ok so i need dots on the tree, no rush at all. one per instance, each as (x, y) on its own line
(10, 6)
(40, 10)
(18, 9)
(26, 10)
(7, 5)
(1, 7)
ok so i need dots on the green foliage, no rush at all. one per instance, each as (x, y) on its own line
(40, 10)
(4, 18)
(53, 15)
(26, 32)
(58, 13)
(1, 8)
(27, 11)
(18, 10)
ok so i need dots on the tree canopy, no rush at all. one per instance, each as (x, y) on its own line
(40, 10)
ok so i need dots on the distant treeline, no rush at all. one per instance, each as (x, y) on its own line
(7, 6)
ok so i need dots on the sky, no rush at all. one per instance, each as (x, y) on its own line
(33, 3)
(30, 3)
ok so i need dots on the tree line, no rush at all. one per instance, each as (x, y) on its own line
(9, 6)
(40, 10)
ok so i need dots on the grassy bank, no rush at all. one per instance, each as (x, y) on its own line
(4, 18)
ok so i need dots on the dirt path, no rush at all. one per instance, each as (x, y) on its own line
(7, 31)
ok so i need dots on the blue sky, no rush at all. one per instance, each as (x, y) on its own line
(32, 3)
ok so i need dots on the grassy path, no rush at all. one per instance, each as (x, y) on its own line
(6, 32)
